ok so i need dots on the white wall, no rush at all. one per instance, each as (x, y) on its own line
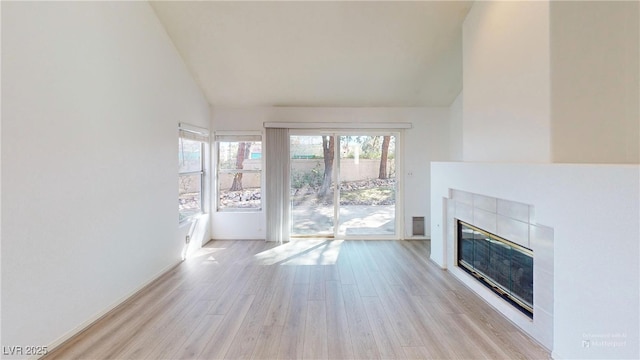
(595, 88)
(506, 99)
(552, 82)
(456, 129)
(426, 141)
(92, 94)
(595, 213)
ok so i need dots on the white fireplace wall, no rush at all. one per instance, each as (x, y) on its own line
(594, 211)
(513, 221)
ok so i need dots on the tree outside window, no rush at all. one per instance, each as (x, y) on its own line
(239, 178)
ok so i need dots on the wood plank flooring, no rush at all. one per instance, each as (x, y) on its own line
(308, 299)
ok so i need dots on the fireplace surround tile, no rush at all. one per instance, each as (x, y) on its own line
(513, 230)
(462, 197)
(485, 220)
(542, 246)
(543, 331)
(514, 210)
(485, 203)
(543, 282)
(450, 230)
(464, 212)
(451, 208)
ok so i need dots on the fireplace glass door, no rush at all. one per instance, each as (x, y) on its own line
(505, 267)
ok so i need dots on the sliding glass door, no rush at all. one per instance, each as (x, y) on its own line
(343, 185)
(312, 185)
(367, 185)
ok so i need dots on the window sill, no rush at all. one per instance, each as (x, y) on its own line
(236, 211)
(190, 219)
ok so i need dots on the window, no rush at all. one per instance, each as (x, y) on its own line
(191, 149)
(239, 177)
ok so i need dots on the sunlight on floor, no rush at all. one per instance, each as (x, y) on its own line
(302, 252)
(205, 251)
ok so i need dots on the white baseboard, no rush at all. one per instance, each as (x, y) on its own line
(123, 300)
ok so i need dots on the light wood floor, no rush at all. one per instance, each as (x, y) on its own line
(304, 300)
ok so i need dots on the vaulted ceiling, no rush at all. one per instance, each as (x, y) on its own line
(272, 53)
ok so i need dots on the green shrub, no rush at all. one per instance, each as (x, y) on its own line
(312, 178)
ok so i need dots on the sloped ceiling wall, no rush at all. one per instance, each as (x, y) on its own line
(320, 53)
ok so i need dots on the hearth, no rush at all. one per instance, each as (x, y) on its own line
(501, 265)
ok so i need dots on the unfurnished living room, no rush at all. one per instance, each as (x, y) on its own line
(355, 180)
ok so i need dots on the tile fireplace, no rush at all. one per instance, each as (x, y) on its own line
(498, 250)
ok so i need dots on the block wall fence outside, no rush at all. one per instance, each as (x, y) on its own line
(366, 169)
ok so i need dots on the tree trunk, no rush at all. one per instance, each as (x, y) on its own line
(382, 174)
(237, 178)
(328, 153)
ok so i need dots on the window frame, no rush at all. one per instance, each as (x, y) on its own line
(237, 136)
(192, 133)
